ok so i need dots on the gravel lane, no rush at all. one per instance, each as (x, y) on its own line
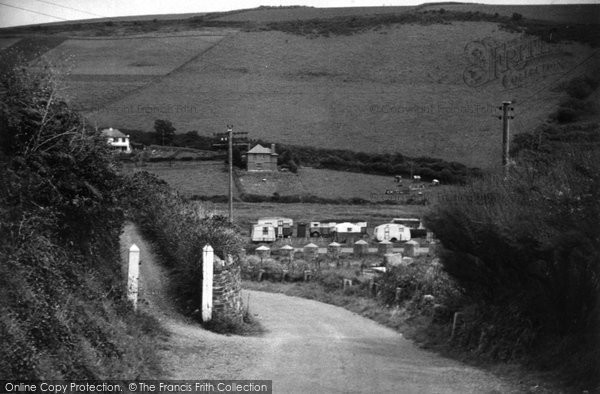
(309, 347)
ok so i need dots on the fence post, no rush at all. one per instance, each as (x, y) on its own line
(346, 283)
(133, 275)
(208, 259)
(455, 321)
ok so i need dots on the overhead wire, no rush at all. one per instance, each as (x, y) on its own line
(33, 11)
(71, 8)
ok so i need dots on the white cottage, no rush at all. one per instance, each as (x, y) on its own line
(117, 139)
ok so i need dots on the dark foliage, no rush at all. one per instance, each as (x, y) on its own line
(529, 260)
(576, 107)
(64, 315)
(377, 163)
(572, 124)
(164, 132)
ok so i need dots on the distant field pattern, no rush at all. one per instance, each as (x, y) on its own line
(391, 90)
(6, 42)
(129, 56)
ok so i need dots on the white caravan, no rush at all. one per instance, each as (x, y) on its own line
(392, 232)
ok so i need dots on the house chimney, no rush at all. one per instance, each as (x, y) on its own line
(272, 148)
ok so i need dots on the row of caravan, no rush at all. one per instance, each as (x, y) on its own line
(270, 229)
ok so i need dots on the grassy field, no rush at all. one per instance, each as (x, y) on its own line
(206, 178)
(319, 182)
(6, 42)
(380, 91)
(100, 71)
(92, 92)
(397, 88)
(209, 178)
(145, 55)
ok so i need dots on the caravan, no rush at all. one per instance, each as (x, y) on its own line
(263, 233)
(347, 232)
(271, 228)
(392, 232)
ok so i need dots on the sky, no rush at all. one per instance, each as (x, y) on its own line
(25, 12)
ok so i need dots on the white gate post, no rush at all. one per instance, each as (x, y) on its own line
(208, 258)
(133, 275)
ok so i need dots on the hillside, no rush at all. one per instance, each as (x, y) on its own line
(574, 13)
(391, 88)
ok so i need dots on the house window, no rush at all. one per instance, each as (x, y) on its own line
(265, 231)
(349, 229)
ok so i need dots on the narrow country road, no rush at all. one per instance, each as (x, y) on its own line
(309, 347)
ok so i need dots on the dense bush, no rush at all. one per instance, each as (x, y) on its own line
(63, 309)
(526, 250)
(416, 280)
(572, 124)
(576, 107)
(329, 278)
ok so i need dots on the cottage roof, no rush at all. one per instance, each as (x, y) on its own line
(259, 149)
(110, 132)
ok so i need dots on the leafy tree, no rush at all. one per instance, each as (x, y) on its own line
(288, 160)
(237, 157)
(164, 131)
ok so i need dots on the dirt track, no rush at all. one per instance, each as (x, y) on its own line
(310, 347)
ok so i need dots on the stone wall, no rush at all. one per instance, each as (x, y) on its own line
(227, 291)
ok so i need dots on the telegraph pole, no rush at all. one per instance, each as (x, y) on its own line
(505, 136)
(230, 143)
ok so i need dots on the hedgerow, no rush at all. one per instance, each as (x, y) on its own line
(179, 230)
(63, 309)
(526, 251)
